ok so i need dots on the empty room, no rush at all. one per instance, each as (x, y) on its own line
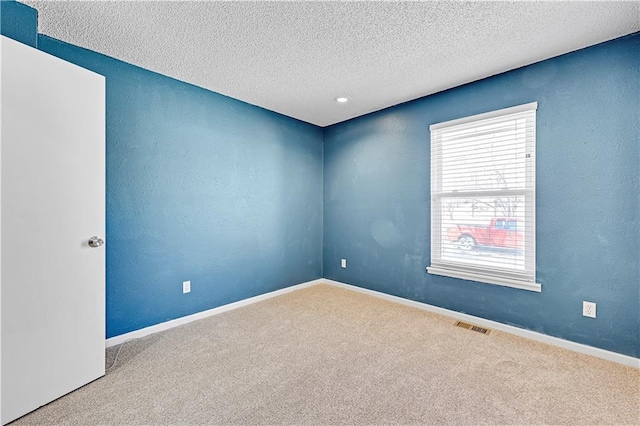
(319, 212)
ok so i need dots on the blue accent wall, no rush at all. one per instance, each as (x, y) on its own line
(377, 203)
(237, 199)
(19, 22)
(200, 187)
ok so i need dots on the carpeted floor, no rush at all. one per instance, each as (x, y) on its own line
(325, 355)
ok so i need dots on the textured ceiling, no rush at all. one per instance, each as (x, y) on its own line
(295, 58)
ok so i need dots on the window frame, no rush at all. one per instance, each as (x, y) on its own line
(468, 271)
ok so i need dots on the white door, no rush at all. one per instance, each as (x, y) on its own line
(52, 162)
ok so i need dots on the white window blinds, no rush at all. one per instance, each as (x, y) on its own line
(483, 197)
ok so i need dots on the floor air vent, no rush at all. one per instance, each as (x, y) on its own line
(472, 327)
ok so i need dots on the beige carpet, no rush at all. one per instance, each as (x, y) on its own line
(324, 355)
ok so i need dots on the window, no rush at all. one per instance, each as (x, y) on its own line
(483, 198)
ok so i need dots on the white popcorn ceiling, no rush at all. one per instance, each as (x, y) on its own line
(295, 58)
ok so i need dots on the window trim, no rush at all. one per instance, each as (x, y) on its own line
(483, 278)
(485, 115)
(470, 273)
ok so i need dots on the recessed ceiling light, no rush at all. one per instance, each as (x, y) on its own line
(342, 100)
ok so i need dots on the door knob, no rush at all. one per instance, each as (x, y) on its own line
(95, 242)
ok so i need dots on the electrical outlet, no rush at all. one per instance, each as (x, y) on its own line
(186, 287)
(589, 309)
(343, 263)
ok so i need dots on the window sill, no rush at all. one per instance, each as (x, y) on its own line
(488, 279)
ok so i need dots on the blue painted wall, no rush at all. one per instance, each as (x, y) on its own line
(19, 22)
(207, 188)
(377, 206)
(200, 187)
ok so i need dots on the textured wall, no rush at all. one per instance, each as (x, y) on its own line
(203, 187)
(200, 187)
(19, 22)
(376, 197)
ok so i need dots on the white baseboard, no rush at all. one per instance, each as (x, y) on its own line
(199, 315)
(555, 341)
